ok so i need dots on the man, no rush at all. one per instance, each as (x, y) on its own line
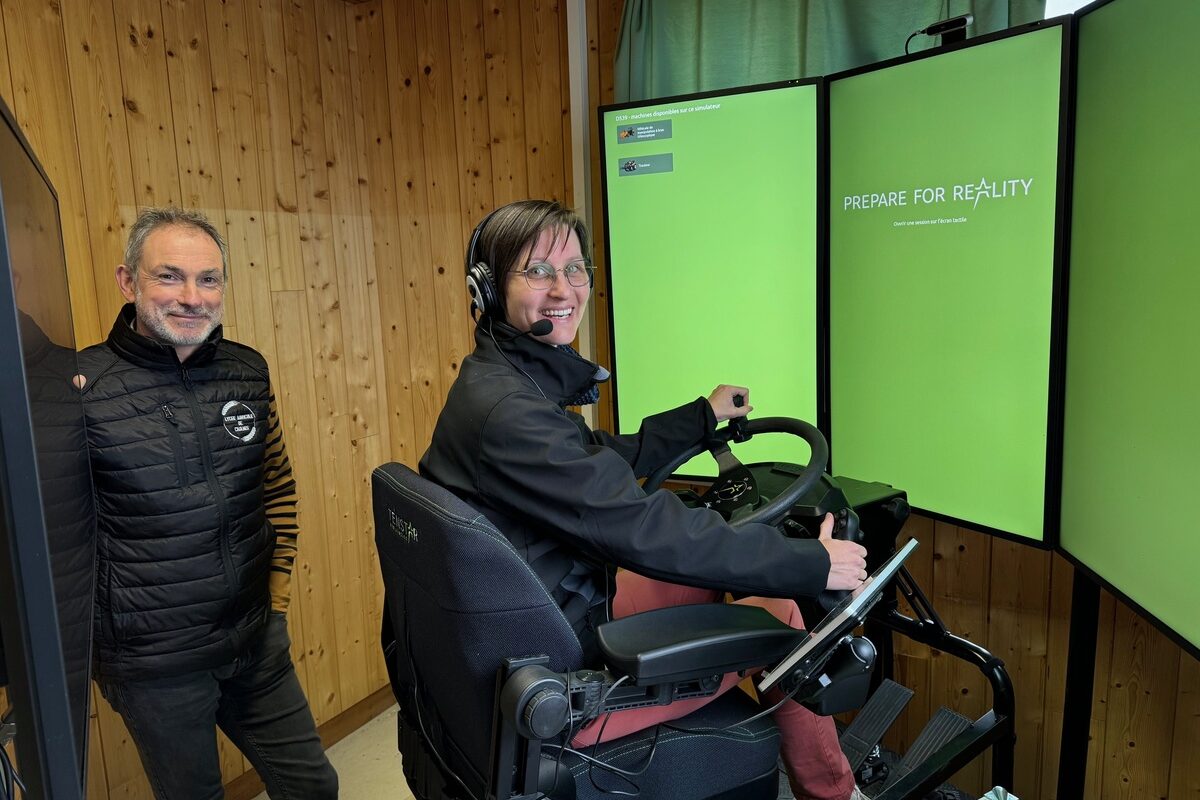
(197, 529)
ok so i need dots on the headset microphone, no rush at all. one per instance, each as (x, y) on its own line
(510, 334)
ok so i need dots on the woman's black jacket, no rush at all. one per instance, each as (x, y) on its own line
(567, 497)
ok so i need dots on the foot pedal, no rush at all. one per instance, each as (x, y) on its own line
(944, 726)
(873, 721)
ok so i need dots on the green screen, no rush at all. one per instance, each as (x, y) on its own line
(712, 256)
(1131, 428)
(943, 194)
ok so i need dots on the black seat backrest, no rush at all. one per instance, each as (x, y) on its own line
(460, 600)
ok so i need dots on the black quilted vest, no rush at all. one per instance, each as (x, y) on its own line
(184, 547)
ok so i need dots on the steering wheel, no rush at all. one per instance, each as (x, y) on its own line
(737, 482)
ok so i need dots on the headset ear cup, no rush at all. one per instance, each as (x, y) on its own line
(482, 289)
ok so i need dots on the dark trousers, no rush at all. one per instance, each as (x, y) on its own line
(257, 701)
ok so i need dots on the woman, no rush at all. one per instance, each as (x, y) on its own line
(568, 498)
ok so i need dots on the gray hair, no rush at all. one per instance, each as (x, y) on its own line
(151, 219)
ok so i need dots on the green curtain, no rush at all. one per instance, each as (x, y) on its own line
(670, 47)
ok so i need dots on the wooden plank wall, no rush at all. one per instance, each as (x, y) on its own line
(346, 150)
(1013, 599)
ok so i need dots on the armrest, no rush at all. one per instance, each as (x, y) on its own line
(685, 642)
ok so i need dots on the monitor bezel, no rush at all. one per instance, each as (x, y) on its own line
(1185, 644)
(50, 763)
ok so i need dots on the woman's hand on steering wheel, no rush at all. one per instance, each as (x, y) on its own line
(847, 560)
(722, 400)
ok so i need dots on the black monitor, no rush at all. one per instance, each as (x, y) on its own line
(1132, 377)
(47, 517)
(944, 278)
(711, 214)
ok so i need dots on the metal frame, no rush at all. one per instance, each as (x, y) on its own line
(995, 729)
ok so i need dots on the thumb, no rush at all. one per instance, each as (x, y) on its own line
(826, 528)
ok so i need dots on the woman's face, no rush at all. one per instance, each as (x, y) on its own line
(560, 302)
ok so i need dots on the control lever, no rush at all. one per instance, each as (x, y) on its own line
(735, 487)
(846, 526)
(737, 425)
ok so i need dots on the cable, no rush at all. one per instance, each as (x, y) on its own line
(625, 774)
(8, 773)
(503, 355)
(416, 695)
(912, 36)
(429, 742)
(748, 720)
(10, 777)
(593, 762)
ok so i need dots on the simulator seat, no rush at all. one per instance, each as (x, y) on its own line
(490, 682)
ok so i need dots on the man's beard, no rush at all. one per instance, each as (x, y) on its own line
(154, 319)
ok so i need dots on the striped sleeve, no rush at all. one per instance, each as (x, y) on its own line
(282, 504)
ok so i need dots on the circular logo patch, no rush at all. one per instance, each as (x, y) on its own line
(239, 420)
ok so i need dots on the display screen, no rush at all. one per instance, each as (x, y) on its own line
(39, 380)
(943, 200)
(712, 245)
(1130, 428)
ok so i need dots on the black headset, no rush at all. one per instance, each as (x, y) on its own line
(481, 284)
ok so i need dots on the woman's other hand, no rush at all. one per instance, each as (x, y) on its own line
(722, 403)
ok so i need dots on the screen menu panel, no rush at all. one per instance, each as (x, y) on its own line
(712, 232)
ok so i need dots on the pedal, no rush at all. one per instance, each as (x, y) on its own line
(873, 721)
(944, 726)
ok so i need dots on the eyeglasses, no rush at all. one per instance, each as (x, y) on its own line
(541, 276)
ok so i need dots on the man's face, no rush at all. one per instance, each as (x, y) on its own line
(178, 289)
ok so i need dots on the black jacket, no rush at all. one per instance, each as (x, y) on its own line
(184, 546)
(567, 497)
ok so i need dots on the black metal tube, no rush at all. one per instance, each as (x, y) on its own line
(1003, 697)
(1081, 677)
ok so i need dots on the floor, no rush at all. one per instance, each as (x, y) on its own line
(367, 763)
